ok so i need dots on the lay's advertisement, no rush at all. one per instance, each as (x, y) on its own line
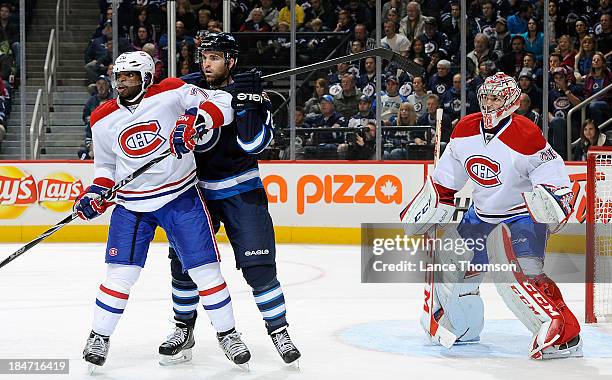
(310, 202)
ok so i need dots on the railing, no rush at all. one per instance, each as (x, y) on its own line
(37, 135)
(50, 77)
(581, 106)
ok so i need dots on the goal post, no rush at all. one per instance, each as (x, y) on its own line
(598, 273)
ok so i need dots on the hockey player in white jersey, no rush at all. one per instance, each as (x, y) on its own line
(519, 183)
(128, 132)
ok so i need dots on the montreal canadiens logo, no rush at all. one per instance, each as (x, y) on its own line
(142, 139)
(113, 252)
(483, 170)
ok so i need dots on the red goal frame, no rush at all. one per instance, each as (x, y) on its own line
(592, 153)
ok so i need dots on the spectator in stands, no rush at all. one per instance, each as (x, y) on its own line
(99, 53)
(399, 5)
(598, 78)
(325, 144)
(393, 16)
(215, 26)
(480, 54)
(186, 58)
(584, 58)
(284, 15)
(361, 34)
(300, 138)
(256, 22)
(440, 82)
(534, 39)
(605, 7)
(390, 100)
(517, 23)
(347, 100)
(108, 17)
(527, 86)
(451, 101)
(554, 61)
(11, 30)
(590, 136)
(366, 80)
(181, 37)
(8, 69)
(345, 23)
(411, 26)
(566, 49)
(142, 20)
(418, 98)
(270, 13)
(312, 106)
(525, 110)
(581, 30)
(449, 25)
(503, 43)
(364, 115)
(429, 118)
(556, 23)
(512, 62)
(216, 9)
(561, 99)
(434, 40)
(186, 15)
(604, 37)
(203, 19)
(142, 37)
(487, 18)
(159, 65)
(314, 9)
(417, 50)
(396, 142)
(363, 147)
(361, 14)
(103, 94)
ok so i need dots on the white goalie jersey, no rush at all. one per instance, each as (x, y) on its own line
(512, 162)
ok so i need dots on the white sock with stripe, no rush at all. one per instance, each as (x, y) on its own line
(214, 295)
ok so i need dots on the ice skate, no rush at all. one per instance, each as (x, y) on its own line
(284, 346)
(235, 349)
(571, 349)
(95, 351)
(177, 349)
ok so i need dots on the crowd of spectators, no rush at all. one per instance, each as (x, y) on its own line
(9, 57)
(502, 35)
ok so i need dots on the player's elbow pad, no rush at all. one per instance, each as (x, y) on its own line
(434, 204)
(254, 133)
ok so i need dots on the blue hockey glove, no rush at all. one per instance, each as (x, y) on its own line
(89, 204)
(247, 91)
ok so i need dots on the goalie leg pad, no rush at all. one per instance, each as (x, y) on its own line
(530, 299)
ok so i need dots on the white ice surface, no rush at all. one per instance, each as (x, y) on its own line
(345, 329)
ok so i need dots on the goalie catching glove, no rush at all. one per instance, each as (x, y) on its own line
(434, 204)
(90, 204)
(550, 205)
(189, 127)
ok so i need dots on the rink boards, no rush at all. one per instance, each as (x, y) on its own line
(310, 201)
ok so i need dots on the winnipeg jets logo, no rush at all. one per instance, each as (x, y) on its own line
(483, 170)
(141, 139)
(208, 140)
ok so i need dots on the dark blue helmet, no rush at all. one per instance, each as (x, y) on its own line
(222, 42)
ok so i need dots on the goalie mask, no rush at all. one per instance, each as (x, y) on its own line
(498, 97)
(135, 61)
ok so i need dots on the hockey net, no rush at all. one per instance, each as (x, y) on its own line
(598, 282)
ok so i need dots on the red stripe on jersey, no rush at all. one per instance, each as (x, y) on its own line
(214, 290)
(214, 112)
(102, 111)
(523, 136)
(113, 293)
(104, 182)
(468, 126)
(165, 85)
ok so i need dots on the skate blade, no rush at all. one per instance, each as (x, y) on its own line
(245, 366)
(294, 365)
(181, 357)
(91, 368)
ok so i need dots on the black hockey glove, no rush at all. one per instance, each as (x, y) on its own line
(247, 91)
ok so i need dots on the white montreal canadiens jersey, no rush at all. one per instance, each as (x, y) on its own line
(512, 162)
(125, 140)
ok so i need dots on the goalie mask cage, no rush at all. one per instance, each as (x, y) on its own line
(598, 281)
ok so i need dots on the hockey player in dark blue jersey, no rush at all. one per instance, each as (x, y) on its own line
(229, 177)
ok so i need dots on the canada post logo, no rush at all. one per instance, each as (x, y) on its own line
(483, 170)
(142, 139)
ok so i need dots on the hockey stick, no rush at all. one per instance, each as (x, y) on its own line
(388, 54)
(436, 331)
(106, 196)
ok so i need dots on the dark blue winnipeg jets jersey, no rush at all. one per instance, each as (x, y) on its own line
(226, 157)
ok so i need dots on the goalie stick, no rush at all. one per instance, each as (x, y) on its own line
(436, 331)
(106, 196)
(388, 54)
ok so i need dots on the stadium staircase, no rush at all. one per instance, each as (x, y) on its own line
(67, 129)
